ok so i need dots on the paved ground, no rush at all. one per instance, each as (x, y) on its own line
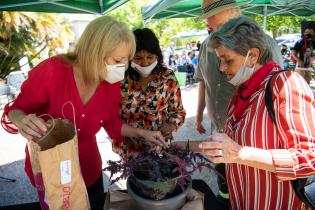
(12, 156)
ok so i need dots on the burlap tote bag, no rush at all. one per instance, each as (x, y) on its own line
(56, 168)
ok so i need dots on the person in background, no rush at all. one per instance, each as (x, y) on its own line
(183, 59)
(89, 78)
(214, 90)
(190, 68)
(194, 60)
(171, 49)
(188, 46)
(172, 63)
(304, 53)
(262, 156)
(198, 45)
(150, 94)
(285, 52)
(176, 58)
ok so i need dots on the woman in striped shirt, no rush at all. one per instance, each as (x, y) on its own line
(262, 156)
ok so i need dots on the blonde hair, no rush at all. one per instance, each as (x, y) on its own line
(99, 39)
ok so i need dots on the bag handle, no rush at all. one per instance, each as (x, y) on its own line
(53, 121)
(52, 127)
(73, 111)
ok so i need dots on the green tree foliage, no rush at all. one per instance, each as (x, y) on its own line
(27, 34)
(279, 25)
(130, 14)
(166, 28)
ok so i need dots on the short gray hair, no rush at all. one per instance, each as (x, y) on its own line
(239, 35)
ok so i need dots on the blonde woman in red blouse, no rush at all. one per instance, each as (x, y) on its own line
(90, 79)
(261, 156)
(150, 94)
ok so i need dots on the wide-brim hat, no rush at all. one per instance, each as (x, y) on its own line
(212, 7)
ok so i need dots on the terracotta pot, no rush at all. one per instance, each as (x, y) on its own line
(171, 203)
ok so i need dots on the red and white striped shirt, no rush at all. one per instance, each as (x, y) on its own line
(291, 142)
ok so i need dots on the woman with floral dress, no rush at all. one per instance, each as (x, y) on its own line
(150, 94)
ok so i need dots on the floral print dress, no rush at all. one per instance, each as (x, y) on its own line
(150, 107)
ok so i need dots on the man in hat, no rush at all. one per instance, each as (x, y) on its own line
(214, 90)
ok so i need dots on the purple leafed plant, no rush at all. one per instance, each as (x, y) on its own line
(150, 168)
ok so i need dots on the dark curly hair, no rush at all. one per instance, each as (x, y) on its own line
(147, 40)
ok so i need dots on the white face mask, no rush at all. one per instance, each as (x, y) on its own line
(115, 72)
(144, 71)
(243, 74)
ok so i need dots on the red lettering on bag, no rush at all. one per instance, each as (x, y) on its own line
(66, 197)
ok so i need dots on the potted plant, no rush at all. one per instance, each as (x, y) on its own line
(159, 180)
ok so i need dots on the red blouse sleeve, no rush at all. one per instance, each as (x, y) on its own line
(113, 127)
(33, 97)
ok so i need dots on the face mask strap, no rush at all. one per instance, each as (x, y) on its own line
(247, 56)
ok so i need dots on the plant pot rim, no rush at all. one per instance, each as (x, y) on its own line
(174, 178)
(157, 202)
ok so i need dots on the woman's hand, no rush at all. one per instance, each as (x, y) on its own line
(166, 131)
(151, 137)
(221, 149)
(30, 126)
(199, 127)
(154, 137)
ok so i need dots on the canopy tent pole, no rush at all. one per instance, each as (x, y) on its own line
(145, 22)
(182, 13)
(25, 4)
(115, 5)
(101, 6)
(20, 4)
(265, 17)
(72, 7)
(156, 7)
